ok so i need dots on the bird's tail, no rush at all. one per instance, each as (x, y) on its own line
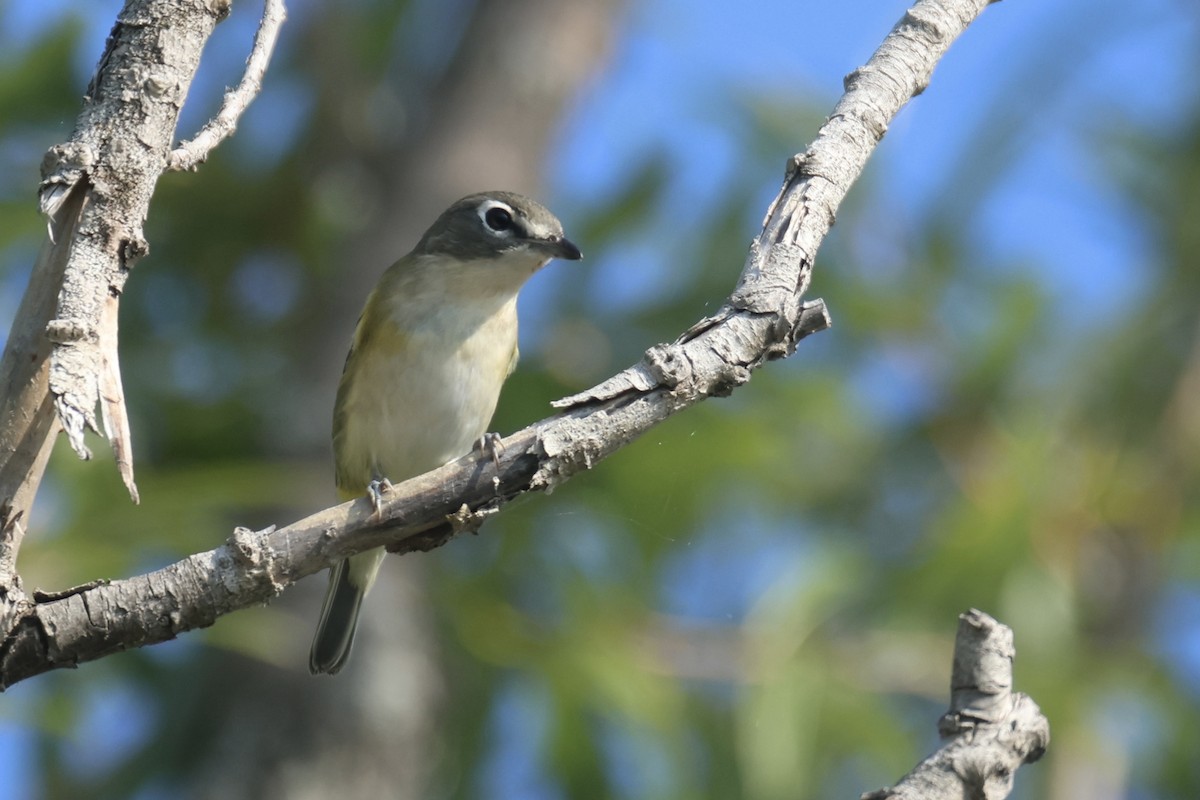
(349, 580)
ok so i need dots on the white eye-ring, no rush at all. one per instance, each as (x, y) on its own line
(497, 217)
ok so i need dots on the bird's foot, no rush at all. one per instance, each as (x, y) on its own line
(376, 489)
(490, 444)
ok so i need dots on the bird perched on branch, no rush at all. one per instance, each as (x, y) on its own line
(435, 342)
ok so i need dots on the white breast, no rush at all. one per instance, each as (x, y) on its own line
(422, 397)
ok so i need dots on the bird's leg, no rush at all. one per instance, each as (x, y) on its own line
(376, 489)
(490, 444)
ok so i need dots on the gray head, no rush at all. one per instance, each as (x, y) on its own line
(495, 224)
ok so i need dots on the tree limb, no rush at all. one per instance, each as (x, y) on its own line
(993, 730)
(191, 154)
(114, 156)
(763, 319)
(60, 359)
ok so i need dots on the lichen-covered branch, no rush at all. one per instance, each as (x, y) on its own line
(991, 729)
(763, 319)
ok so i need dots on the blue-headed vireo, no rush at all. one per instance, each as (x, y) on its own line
(434, 344)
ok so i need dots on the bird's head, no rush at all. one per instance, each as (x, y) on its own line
(498, 225)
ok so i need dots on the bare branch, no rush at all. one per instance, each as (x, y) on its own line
(993, 730)
(115, 156)
(190, 155)
(763, 319)
(60, 359)
(118, 149)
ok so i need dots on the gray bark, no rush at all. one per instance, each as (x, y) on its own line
(991, 729)
(60, 360)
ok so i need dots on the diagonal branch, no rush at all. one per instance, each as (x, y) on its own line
(191, 154)
(763, 319)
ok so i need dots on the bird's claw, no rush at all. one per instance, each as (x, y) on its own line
(491, 444)
(376, 489)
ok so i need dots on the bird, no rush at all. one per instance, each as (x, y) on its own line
(435, 342)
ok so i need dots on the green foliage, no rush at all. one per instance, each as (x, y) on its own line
(35, 83)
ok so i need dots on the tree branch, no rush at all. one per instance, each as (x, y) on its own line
(993, 730)
(763, 319)
(191, 154)
(115, 156)
(60, 359)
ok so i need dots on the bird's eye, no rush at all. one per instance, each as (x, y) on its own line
(498, 218)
